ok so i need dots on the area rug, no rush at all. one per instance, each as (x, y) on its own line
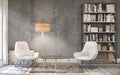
(61, 68)
(12, 70)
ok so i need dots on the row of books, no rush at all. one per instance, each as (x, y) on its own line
(99, 28)
(105, 47)
(99, 8)
(105, 57)
(98, 18)
(97, 37)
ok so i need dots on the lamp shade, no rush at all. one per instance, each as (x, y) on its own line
(43, 27)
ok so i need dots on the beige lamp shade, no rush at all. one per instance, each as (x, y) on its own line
(43, 27)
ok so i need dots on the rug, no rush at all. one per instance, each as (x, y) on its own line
(12, 70)
(61, 68)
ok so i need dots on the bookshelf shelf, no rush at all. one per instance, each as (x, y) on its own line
(108, 51)
(99, 32)
(99, 12)
(98, 24)
(104, 41)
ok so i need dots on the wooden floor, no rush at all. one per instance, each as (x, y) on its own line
(102, 69)
(96, 69)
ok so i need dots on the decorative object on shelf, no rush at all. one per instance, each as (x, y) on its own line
(110, 47)
(100, 28)
(42, 27)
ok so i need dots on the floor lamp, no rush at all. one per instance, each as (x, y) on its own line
(42, 27)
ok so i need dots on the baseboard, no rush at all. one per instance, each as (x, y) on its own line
(1, 63)
(72, 60)
(118, 60)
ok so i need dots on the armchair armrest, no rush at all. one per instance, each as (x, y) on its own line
(18, 55)
(29, 53)
(36, 54)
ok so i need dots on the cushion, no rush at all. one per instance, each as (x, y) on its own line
(29, 53)
(26, 53)
(82, 54)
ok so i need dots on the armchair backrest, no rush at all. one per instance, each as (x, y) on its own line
(91, 48)
(21, 45)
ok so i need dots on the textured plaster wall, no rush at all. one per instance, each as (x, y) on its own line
(64, 17)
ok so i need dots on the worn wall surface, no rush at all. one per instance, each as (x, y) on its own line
(64, 17)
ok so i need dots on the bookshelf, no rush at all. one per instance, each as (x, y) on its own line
(98, 24)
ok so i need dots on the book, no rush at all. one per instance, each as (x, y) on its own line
(111, 57)
(99, 47)
(105, 37)
(112, 28)
(110, 8)
(108, 38)
(95, 8)
(94, 29)
(90, 37)
(110, 18)
(85, 18)
(100, 8)
(84, 28)
(113, 38)
(107, 28)
(93, 37)
(96, 37)
(102, 57)
(85, 7)
(104, 48)
(87, 38)
(89, 8)
(88, 18)
(89, 28)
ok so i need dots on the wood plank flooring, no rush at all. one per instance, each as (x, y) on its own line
(102, 69)
(89, 69)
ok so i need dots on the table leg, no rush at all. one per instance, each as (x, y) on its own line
(69, 64)
(55, 63)
(44, 62)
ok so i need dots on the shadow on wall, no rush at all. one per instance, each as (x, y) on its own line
(49, 45)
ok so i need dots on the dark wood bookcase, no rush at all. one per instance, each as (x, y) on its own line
(98, 24)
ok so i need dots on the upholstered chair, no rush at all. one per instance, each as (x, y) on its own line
(23, 52)
(89, 52)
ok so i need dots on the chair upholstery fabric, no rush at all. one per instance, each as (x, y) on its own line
(89, 52)
(23, 52)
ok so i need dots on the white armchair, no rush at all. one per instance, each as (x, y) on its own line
(89, 52)
(23, 52)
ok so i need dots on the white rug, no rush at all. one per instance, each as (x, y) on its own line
(61, 68)
(39, 70)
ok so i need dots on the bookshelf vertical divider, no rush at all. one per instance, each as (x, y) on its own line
(98, 24)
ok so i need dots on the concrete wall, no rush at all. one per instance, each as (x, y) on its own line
(64, 17)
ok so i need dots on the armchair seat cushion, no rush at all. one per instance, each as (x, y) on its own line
(84, 58)
(79, 55)
(28, 58)
(26, 52)
(29, 53)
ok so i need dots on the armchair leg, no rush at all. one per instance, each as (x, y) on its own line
(18, 63)
(92, 64)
